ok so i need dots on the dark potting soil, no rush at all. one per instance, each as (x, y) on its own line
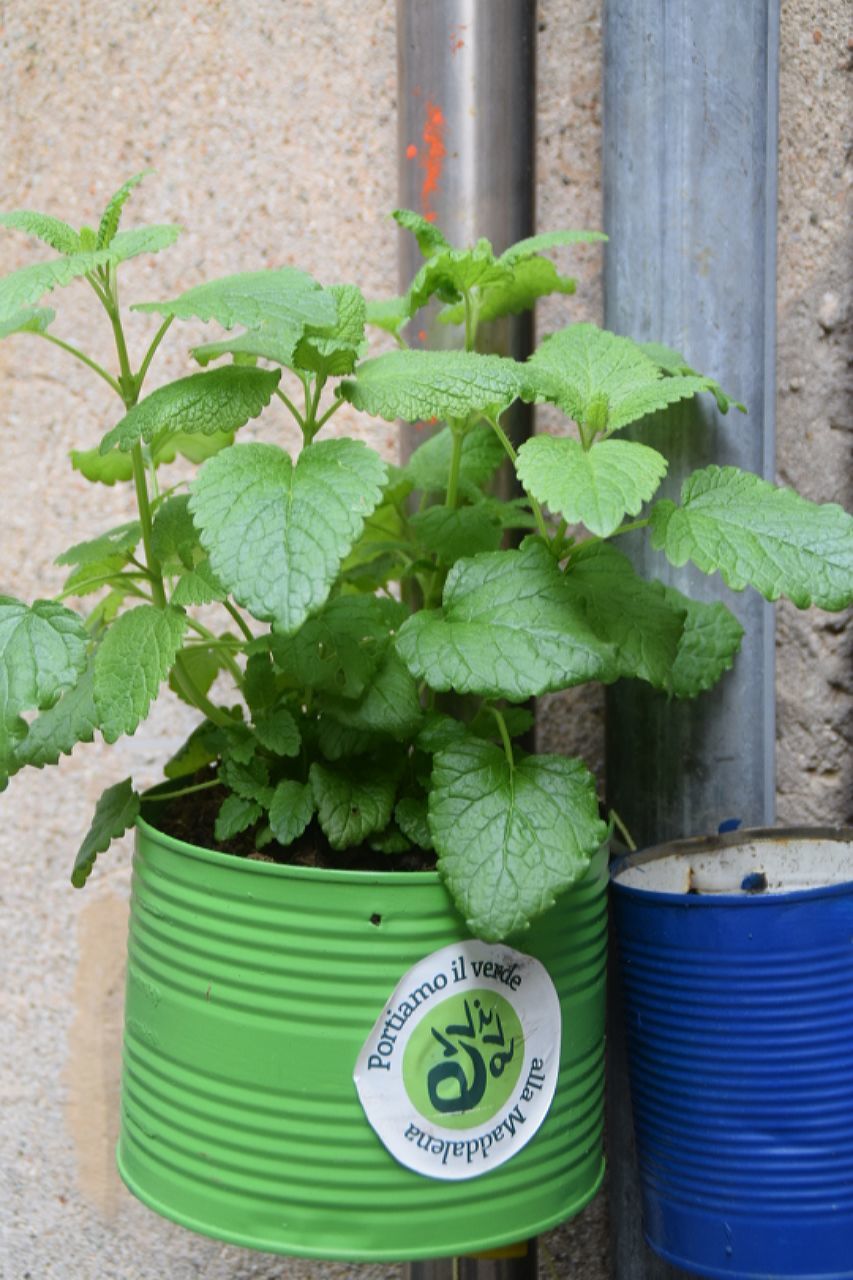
(192, 818)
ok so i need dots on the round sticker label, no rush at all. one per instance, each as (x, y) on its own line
(460, 1069)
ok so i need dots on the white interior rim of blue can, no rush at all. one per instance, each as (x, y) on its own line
(748, 869)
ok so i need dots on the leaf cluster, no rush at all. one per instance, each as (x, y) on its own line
(361, 640)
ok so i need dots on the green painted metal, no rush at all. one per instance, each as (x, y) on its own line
(251, 988)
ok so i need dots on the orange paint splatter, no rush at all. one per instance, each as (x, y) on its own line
(411, 151)
(433, 159)
(422, 335)
(456, 41)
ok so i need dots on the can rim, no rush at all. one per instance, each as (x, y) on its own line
(719, 844)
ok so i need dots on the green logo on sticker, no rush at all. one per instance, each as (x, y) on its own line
(464, 1059)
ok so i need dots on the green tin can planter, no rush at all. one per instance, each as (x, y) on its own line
(251, 991)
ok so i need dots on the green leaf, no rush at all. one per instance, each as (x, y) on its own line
(390, 841)
(118, 541)
(114, 468)
(267, 343)
(353, 801)
(57, 731)
(42, 653)
(547, 240)
(276, 533)
(51, 231)
(174, 537)
(202, 747)
(588, 371)
(427, 234)
(758, 535)
(339, 650)
(115, 813)
(509, 627)
(672, 362)
(337, 741)
(198, 585)
(644, 625)
(132, 662)
(112, 214)
(332, 351)
(455, 532)
(291, 810)
(439, 731)
(236, 815)
(510, 839)
(202, 665)
(709, 642)
(132, 244)
(221, 400)
(24, 287)
(195, 448)
(596, 486)
(451, 273)
(250, 781)
(27, 320)
(530, 279)
(94, 575)
(429, 466)
(415, 385)
(390, 314)
(390, 704)
(285, 298)
(411, 817)
(278, 732)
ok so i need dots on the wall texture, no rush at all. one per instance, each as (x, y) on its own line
(271, 128)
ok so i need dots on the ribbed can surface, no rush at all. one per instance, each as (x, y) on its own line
(739, 1013)
(251, 989)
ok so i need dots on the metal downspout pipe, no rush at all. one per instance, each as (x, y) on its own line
(690, 149)
(466, 102)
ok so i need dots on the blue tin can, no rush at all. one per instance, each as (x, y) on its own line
(736, 959)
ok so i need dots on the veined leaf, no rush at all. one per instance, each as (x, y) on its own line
(644, 625)
(428, 468)
(198, 585)
(455, 532)
(202, 666)
(390, 314)
(510, 838)
(285, 298)
(132, 662)
(51, 231)
(278, 732)
(115, 813)
(27, 320)
(57, 731)
(115, 468)
(95, 574)
(339, 649)
(221, 400)
(427, 234)
(709, 642)
(758, 535)
(415, 385)
(390, 704)
(596, 486)
(599, 378)
(202, 747)
(112, 214)
(132, 244)
(267, 343)
(291, 810)
(530, 279)
(277, 533)
(23, 288)
(174, 537)
(332, 351)
(410, 815)
(509, 627)
(119, 541)
(547, 240)
(673, 362)
(42, 653)
(450, 273)
(236, 814)
(353, 801)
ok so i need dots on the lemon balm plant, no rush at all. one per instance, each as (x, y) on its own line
(349, 594)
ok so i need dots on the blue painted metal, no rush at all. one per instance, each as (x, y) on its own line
(739, 1015)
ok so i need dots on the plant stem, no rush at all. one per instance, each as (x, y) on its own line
(183, 791)
(66, 346)
(152, 564)
(149, 355)
(512, 455)
(102, 581)
(623, 830)
(505, 738)
(198, 699)
(285, 399)
(455, 466)
(226, 604)
(327, 415)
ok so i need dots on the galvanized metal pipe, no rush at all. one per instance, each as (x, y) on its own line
(690, 143)
(466, 78)
(466, 88)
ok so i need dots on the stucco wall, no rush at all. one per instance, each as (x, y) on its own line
(271, 128)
